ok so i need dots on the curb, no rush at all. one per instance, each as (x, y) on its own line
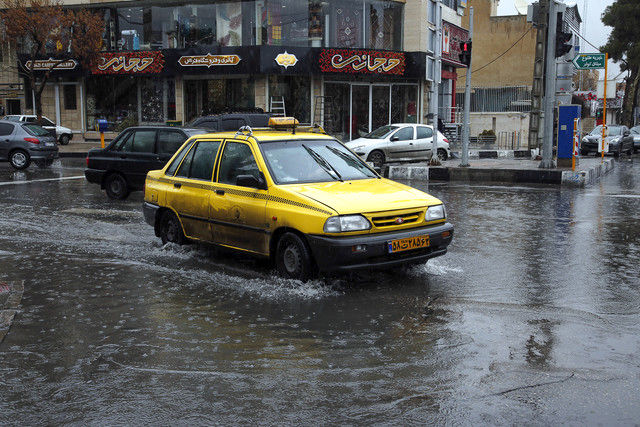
(586, 177)
(496, 154)
(581, 178)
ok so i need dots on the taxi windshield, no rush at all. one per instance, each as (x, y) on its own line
(292, 162)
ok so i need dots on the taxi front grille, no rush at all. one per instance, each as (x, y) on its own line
(391, 220)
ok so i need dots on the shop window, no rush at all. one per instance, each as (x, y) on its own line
(131, 28)
(296, 91)
(347, 24)
(384, 25)
(404, 100)
(69, 94)
(229, 23)
(207, 97)
(285, 22)
(114, 99)
(336, 110)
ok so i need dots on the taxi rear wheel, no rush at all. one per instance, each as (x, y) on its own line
(293, 259)
(171, 230)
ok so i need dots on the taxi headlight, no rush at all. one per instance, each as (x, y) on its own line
(340, 224)
(435, 213)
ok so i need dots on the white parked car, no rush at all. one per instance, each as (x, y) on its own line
(63, 134)
(400, 141)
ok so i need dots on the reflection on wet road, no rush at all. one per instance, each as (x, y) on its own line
(533, 316)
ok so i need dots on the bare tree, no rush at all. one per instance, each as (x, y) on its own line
(43, 30)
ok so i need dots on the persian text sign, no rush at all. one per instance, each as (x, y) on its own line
(208, 60)
(129, 63)
(362, 61)
(46, 64)
(589, 61)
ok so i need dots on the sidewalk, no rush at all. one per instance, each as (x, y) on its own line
(505, 170)
(78, 147)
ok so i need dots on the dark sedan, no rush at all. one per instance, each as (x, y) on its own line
(122, 166)
(23, 143)
(635, 133)
(618, 140)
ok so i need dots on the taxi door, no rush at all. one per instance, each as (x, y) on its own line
(238, 210)
(192, 187)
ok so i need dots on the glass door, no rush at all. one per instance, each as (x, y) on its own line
(359, 110)
(380, 97)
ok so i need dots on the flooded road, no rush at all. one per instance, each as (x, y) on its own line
(532, 317)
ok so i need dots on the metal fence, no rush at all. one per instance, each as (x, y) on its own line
(498, 99)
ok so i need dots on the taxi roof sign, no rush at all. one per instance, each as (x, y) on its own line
(283, 122)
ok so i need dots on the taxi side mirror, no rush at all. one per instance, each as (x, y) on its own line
(251, 182)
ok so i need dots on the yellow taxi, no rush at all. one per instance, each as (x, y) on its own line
(297, 196)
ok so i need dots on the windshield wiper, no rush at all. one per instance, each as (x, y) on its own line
(323, 163)
(348, 159)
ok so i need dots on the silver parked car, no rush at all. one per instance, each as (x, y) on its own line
(617, 140)
(22, 143)
(400, 141)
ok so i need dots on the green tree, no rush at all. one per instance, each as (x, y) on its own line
(623, 47)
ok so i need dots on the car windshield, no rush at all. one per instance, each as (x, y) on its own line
(292, 162)
(611, 131)
(381, 133)
(36, 130)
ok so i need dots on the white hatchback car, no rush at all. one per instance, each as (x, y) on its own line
(400, 142)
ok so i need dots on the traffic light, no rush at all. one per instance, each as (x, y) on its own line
(562, 39)
(465, 52)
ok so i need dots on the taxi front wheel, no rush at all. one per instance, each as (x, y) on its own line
(171, 230)
(293, 259)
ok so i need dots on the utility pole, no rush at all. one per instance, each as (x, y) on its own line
(539, 20)
(436, 76)
(550, 88)
(466, 122)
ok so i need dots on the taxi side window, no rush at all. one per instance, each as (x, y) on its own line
(176, 162)
(203, 160)
(237, 159)
(185, 167)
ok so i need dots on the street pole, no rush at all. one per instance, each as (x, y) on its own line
(550, 88)
(604, 110)
(466, 122)
(436, 77)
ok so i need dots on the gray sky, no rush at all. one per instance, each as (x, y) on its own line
(596, 32)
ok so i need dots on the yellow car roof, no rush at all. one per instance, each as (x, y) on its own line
(268, 135)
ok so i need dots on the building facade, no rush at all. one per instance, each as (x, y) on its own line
(350, 65)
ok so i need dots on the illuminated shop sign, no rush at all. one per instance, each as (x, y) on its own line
(286, 60)
(129, 63)
(362, 61)
(46, 64)
(209, 60)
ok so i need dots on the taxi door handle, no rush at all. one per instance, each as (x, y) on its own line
(220, 192)
(177, 184)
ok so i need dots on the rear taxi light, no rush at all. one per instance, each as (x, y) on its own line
(87, 160)
(33, 140)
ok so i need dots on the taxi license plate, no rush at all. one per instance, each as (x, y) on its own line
(408, 244)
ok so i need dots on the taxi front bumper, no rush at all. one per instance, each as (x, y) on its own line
(371, 251)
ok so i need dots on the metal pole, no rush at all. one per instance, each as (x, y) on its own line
(466, 122)
(604, 110)
(550, 88)
(436, 78)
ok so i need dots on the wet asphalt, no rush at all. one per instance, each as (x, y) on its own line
(533, 317)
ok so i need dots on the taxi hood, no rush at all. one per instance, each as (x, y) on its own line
(365, 195)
